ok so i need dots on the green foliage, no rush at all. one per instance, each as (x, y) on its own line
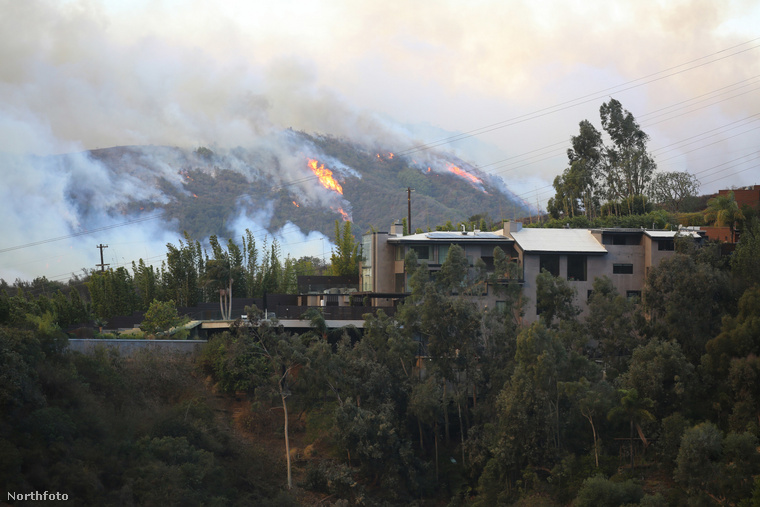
(112, 293)
(554, 299)
(745, 261)
(161, 317)
(698, 462)
(600, 492)
(723, 211)
(109, 431)
(345, 257)
(234, 362)
(685, 300)
(660, 371)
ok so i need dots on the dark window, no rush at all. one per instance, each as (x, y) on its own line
(423, 252)
(666, 244)
(634, 295)
(550, 263)
(400, 284)
(620, 239)
(622, 269)
(589, 293)
(576, 268)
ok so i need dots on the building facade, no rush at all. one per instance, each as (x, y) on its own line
(579, 256)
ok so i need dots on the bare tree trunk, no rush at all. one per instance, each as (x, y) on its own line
(461, 429)
(445, 415)
(229, 300)
(287, 441)
(436, 452)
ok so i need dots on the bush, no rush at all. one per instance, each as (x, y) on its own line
(600, 492)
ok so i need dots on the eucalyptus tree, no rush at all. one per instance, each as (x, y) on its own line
(628, 166)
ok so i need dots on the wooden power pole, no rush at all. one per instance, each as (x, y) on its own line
(102, 266)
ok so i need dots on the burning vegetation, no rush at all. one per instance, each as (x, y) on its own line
(325, 176)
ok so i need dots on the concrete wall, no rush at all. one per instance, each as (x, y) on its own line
(129, 347)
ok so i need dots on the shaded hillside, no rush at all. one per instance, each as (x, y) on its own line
(205, 192)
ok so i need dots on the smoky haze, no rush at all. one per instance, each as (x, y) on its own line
(80, 75)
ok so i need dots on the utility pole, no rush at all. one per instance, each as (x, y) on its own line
(409, 210)
(102, 266)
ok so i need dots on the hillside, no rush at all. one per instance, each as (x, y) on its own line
(206, 192)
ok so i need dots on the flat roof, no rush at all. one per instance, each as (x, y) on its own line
(452, 237)
(672, 234)
(558, 241)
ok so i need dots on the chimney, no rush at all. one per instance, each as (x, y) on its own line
(510, 226)
(397, 229)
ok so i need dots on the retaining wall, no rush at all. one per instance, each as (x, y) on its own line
(127, 347)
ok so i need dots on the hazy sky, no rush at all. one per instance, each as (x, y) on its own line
(520, 74)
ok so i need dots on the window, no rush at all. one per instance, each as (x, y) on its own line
(443, 252)
(620, 239)
(423, 252)
(549, 262)
(633, 295)
(666, 244)
(622, 269)
(589, 294)
(576, 268)
(400, 283)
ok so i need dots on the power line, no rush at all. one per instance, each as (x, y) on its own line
(82, 233)
(583, 99)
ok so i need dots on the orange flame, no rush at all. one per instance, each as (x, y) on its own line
(195, 196)
(325, 176)
(296, 204)
(464, 174)
(345, 216)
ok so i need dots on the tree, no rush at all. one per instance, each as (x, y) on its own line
(592, 400)
(527, 418)
(161, 317)
(600, 492)
(723, 211)
(745, 261)
(345, 257)
(554, 298)
(610, 324)
(577, 188)
(184, 265)
(628, 166)
(671, 189)
(286, 355)
(679, 283)
(659, 371)
(453, 274)
(222, 272)
(634, 409)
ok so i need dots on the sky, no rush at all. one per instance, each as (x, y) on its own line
(515, 76)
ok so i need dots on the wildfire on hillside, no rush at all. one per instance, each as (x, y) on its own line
(325, 176)
(465, 174)
(389, 156)
(195, 196)
(346, 216)
(296, 204)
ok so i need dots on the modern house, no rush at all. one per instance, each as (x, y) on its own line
(575, 255)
